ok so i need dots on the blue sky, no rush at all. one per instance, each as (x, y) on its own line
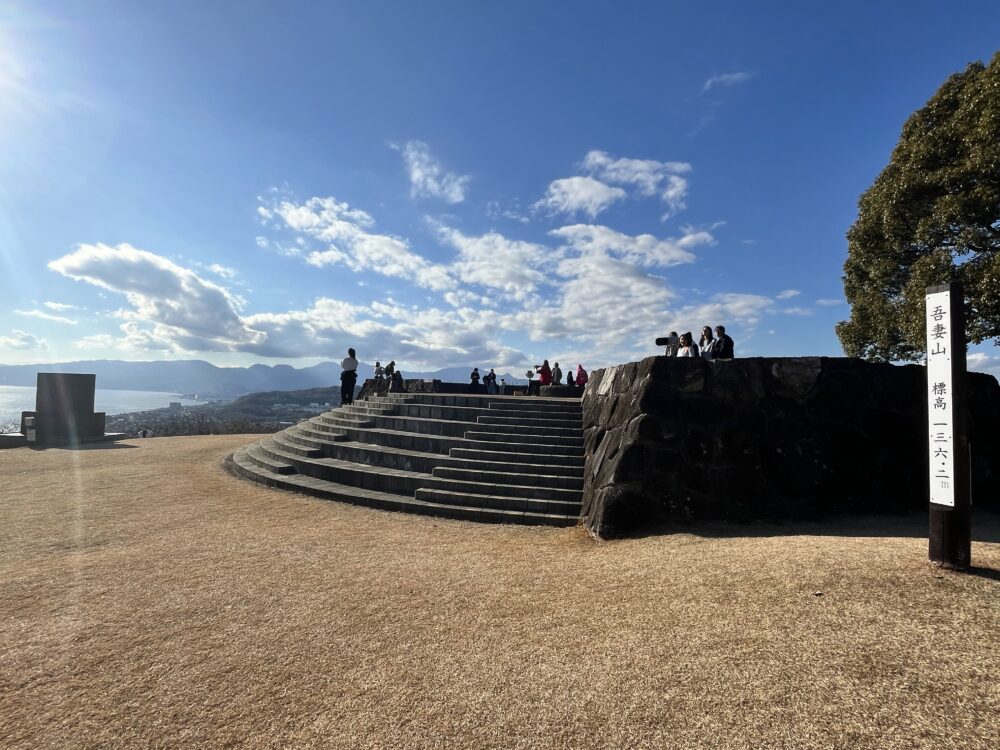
(446, 183)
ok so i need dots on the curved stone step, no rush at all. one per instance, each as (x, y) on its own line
(242, 466)
(392, 438)
(378, 478)
(480, 486)
(524, 504)
(493, 464)
(507, 444)
(528, 438)
(259, 458)
(421, 425)
(371, 453)
(484, 401)
(492, 418)
(516, 477)
(487, 452)
(469, 413)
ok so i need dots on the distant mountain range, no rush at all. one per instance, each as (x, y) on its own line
(197, 377)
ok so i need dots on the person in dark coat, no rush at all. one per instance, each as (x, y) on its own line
(348, 377)
(723, 348)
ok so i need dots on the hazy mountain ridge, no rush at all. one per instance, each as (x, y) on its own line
(196, 376)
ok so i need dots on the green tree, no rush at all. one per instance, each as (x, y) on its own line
(932, 216)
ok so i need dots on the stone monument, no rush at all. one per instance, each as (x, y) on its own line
(64, 411)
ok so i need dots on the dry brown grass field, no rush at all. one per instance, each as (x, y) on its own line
(149, 599)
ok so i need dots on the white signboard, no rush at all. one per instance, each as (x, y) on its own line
(940, 412)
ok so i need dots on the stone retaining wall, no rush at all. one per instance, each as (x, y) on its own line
(766, 438)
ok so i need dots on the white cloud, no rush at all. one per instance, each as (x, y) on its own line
(60, 307)
(496, 262)
(97, 341)
(571, 195)
(345, 231)
(428, 178)
(727, 79)
(384, 330)
(495, 211)
(647, 176)
(788, 294)
(644, 249)
(801, 311)
(42, 315)
(22, 340)
(830, 302)
(223, 271)
(983, 362)
(184, 309)
(723, 309)
(594, 304)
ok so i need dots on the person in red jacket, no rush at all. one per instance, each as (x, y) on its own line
(544, 373)
(581, 376)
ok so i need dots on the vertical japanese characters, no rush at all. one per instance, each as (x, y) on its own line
(939, 400)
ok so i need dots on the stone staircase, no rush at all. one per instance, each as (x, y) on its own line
(499, 459)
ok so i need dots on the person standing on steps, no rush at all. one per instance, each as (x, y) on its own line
(724, 344)
(348, 377)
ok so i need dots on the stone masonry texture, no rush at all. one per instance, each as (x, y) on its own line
(671, 440)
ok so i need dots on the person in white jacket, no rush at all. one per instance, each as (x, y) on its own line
(707, 343)
(687, 346)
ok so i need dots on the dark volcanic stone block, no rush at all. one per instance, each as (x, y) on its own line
(766, 438)
(65, 393)
(64, 409)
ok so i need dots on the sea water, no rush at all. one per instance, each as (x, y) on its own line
(17, 398)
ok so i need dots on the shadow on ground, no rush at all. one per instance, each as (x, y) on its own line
(985, 528)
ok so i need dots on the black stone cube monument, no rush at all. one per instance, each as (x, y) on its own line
(64, 410)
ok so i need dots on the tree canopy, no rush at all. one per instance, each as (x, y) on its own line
(932, 216)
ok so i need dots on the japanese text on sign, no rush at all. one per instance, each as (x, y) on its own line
(940, 412)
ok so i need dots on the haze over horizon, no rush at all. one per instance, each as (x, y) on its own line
(446, 185)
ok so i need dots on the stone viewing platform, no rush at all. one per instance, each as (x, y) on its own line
(502, 459)
(659, 441)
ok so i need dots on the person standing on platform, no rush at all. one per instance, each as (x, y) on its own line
(724, 344)
(687, 347)
(544, 374)
(581, 376)
(378, 370)
(707, 343)
(556, 374)
(348, 377)
(474, 380)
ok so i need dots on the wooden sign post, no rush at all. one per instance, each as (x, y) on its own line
(947, 424)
